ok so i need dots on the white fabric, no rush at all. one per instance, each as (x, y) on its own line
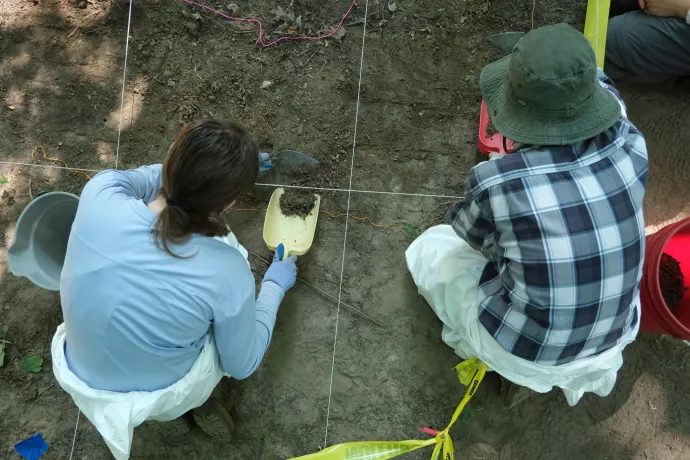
(115, 415)
(447, 271)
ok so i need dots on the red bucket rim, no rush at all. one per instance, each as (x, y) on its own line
(656, 263)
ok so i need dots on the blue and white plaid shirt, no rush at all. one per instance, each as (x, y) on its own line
(563, 231)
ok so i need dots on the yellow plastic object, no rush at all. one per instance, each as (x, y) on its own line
(470, 373)
(596, 24)
(295, 232)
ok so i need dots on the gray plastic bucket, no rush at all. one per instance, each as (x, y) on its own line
(40, 239)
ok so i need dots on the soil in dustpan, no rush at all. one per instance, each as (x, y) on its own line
(671, 281)
(490, 129)
(295, 202)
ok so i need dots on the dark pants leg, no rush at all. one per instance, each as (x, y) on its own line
(646, 49)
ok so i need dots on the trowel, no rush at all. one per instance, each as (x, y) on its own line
(285, 159)
(505, 41)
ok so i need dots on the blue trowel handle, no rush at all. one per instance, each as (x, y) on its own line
(265, 162)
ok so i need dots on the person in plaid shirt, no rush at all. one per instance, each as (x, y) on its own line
(558, 223)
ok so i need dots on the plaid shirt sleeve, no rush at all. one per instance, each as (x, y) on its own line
(609, 86)
(471, 218)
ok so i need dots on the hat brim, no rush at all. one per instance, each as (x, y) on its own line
(520, 124)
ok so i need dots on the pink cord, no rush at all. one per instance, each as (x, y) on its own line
(261, 29)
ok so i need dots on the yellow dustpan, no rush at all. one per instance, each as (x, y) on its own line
(294, 232)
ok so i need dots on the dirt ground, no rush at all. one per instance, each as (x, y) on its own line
(61, 65)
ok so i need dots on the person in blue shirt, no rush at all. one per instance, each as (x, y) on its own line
(152, 271)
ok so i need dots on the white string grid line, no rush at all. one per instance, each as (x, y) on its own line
(117, 155)
(299, 187)
(347, 220)
(74, 438)
(352, 190)
(15, 163)
(122, 95)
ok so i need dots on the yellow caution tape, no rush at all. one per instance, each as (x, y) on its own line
(596, 23)
(470, 373)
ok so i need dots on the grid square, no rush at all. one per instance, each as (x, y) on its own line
(372, 395)
(276, 93)
(63, 99)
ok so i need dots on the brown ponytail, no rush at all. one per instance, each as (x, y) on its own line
(209, 165)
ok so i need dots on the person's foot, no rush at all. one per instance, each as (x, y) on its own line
(513, 394)
(179, 426)
(214, 419)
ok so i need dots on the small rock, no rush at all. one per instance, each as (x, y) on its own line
(194, 16)
(234, 9)
(340, 33)
(171, 82)
(167, 73)
(11, 107)
(392, 6)
(266, 84)
(192, 27)
(59, 144)
(211, 97)
(304, 85)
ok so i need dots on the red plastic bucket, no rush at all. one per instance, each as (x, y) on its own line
(674, 240)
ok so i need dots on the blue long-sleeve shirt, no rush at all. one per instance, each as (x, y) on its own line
(136, 317)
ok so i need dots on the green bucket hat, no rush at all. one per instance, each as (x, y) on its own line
(546, 92)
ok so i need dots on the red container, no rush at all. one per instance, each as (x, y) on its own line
(674, 240)
(494, 143)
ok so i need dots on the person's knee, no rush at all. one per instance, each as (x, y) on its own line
(647, 49)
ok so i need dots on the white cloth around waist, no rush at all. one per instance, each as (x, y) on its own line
(447, 272)
(115, 415)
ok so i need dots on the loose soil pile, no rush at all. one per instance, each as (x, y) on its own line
(295, 202)
(671, 281)
(490, 129)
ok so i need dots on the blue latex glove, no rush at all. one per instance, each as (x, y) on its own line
(32, 448)
(282, 272)
(265, 160)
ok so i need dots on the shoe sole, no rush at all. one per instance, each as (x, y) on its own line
(177, 427)
(215, 422)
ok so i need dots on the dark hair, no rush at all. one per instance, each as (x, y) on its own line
(210, 164)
